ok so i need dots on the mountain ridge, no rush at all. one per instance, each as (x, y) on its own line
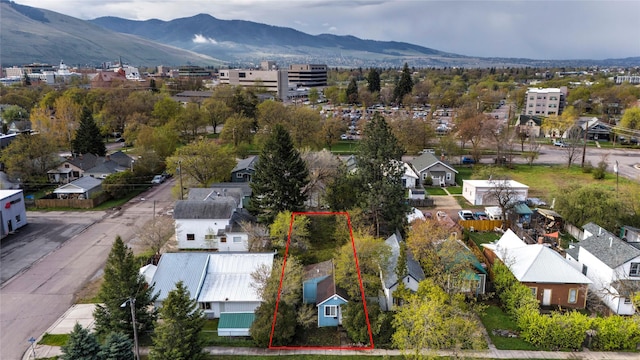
(39, 35)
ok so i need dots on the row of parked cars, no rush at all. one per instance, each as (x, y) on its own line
(470, 215)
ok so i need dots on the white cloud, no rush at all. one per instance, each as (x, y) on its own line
(200, 39)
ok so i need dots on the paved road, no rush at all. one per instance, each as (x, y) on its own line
(34, 299)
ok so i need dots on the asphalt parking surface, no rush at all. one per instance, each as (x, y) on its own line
(44, 232)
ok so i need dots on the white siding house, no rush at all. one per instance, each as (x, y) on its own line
(612, 264)
(389, 278)
(481, 192)
(212, 221)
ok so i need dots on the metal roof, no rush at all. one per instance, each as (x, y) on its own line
(228, 276)
(535, 263)
(211, 277)
(236, 320)
(82, 184)
(538, 263)
(188, 267)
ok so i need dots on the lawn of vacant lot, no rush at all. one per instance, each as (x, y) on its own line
(544, 181)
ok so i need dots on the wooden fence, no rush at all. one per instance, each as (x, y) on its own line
(72, 203)
(480, 225)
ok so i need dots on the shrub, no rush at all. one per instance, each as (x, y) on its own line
(428, 181)
(616, 333)
(587, 168)
(600, 171)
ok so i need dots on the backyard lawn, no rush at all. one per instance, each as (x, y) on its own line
(495, 319)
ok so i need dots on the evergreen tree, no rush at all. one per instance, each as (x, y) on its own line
(82, 345)
(405, 84)
(88, 139)
(373, 81)
(122, 282)
(280, 179)
(177, 336)
(380, 169)
(352, 91)
(117, 346)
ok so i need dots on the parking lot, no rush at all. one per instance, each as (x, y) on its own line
(45, 232)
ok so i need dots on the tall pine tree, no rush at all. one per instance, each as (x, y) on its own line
(352, 91)
(281, 176)
(373, 81)
(405, 84)
(380, 169)
(122, 282)
(88, 139)
(176, 336)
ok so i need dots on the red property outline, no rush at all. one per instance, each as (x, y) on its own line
(364, 301)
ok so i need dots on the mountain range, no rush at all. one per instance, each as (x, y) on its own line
(36, 35)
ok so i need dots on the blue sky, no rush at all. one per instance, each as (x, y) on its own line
(564, 29)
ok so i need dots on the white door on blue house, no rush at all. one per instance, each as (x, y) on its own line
(339, 315)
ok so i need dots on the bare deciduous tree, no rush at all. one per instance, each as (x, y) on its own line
(156, 232)
(504, 195)
(258, 236)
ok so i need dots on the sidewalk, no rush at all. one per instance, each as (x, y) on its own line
(83, 314)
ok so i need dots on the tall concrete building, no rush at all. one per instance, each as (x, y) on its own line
(308, 75)
(280, 81)
(545, 102)
(267, 76)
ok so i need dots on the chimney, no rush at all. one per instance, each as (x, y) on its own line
(599, 231)
(610, 241)
(540, 239)
(441, 157)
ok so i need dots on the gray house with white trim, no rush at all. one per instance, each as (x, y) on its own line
(428, 165)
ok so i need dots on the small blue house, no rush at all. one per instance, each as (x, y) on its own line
(313, 274)
(329, 301)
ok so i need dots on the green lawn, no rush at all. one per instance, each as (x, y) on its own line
(435, 191)
(210, 336)
(455, 190)
(545, 181)
(344, 147)
(483, 237)
(494, 318)
(54, 339)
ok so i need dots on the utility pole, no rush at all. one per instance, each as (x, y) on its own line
(584, 142)
(132, 305)
(180, 172)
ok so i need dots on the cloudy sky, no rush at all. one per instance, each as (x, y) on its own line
(563, 29)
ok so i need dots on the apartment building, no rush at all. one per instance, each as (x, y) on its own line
(545, 102)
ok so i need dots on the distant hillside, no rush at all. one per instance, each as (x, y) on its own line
(35, 35)
(246, 41)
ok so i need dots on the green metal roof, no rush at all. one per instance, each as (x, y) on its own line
(236, 320)
(522, 209)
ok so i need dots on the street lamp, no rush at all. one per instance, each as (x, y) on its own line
(132, 305)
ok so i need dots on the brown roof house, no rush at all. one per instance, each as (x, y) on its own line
(550, 277)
